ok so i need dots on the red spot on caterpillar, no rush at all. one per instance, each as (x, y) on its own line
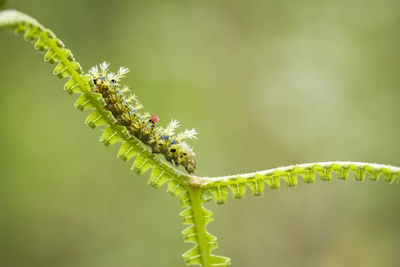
(154, 119)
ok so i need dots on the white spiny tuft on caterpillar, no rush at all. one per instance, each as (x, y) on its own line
(121, 73)
(125, 110)
(170, 130)
(187, 134)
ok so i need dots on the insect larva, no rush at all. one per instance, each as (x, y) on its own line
(142, 125)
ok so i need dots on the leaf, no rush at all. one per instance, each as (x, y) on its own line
(72, 86)
(193, 256)
(257, 185)
(95, 119)
(158, 177)
(220, 194)
(290, 179)
(325, 171)
(141, 164)
(184, 199)
(83, 103)
(64, 71)
(126, 152)
(111, 136)
(206, 195)
(220, 261)
(238, 190)
(187, 216)
(175, 189)
(273, 181)
(197, 217)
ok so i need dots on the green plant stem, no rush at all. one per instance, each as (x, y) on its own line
(324, 169)
(199, 223)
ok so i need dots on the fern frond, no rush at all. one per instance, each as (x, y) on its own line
(198, 217)
(66, 67)
(191, 191)
(179, 185)
(326, 171)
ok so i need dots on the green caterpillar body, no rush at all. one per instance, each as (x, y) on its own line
(141, 125)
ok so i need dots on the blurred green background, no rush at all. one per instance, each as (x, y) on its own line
(266, 83)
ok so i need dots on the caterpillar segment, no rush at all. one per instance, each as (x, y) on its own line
(126, 111)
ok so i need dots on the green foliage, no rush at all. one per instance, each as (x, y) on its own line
(191, 191)
(326, 171)
(78, 83)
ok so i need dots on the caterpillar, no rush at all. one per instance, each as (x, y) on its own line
(126, 111)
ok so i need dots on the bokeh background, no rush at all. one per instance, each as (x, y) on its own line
(266, 83)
